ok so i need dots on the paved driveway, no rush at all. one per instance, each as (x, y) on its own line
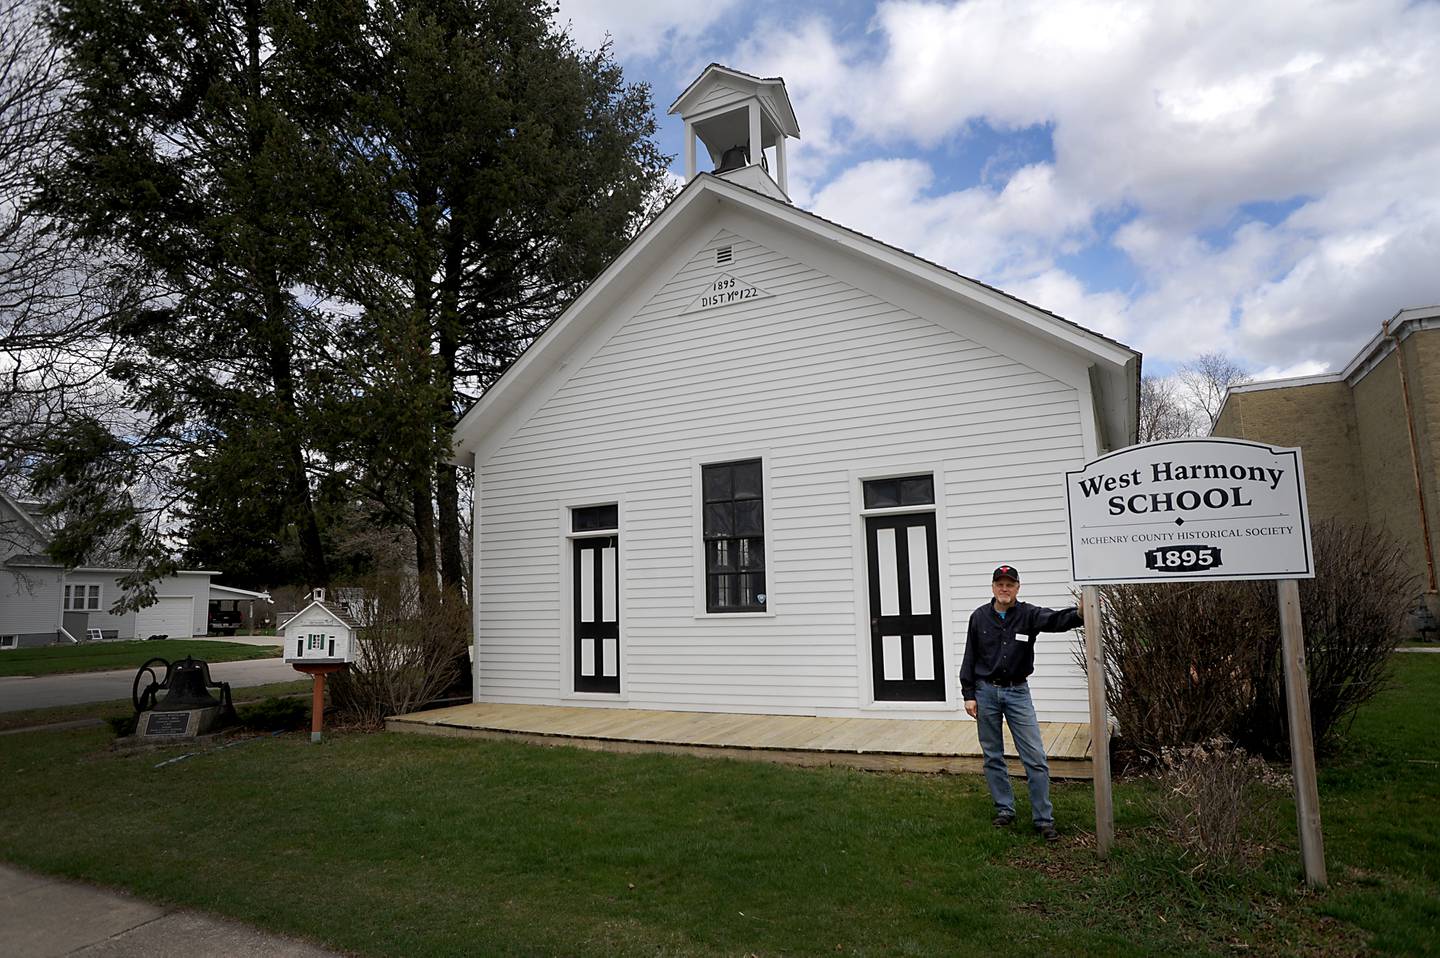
(25, 692)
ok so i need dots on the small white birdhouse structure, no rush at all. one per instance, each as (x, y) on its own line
(322, 633)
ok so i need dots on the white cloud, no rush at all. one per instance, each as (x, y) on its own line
(979, 231)
(1176, 116)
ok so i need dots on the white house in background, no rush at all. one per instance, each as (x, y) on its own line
(42, 602)
(766, 464)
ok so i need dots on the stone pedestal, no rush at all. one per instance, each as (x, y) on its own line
(174, 726)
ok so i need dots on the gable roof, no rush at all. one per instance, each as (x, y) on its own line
(26, 520)
(772, 86)
(336, 613)
(1119, 365)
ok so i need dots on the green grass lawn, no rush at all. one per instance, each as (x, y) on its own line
(103, 656)
(395, 845)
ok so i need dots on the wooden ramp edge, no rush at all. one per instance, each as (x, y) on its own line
(870, 744)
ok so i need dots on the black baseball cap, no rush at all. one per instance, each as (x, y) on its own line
(1005, 572)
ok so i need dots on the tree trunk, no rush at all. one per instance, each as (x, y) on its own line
(279, 342)
(423, 504)
(452, 556)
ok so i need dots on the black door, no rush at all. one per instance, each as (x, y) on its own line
(597, 614)
(905, 645)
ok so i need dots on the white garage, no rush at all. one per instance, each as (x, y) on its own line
(173, 616)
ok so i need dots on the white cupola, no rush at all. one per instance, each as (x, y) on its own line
(743, 121)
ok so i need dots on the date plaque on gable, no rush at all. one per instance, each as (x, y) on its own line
(726, 291)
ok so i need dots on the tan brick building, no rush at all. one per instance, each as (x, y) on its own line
(1369, 434)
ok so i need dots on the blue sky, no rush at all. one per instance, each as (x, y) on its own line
(1256, 179)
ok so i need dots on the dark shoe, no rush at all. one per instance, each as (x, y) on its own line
(1003, 819)
(1048, 832)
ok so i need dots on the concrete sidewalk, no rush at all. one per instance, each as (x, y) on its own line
(44, 917)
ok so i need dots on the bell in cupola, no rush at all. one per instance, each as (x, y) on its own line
(738, 119)
(737, 157)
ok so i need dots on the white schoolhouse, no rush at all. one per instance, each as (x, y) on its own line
(766, 464)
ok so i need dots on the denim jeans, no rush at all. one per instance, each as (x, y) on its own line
(1014, 705)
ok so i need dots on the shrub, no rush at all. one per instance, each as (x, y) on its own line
(1186, 663)
(409, 649)
(1215, 803)
(1355, 613)
(1177, 670)
(275, 714)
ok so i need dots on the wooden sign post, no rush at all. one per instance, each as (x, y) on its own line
(1099, 723)
(1302, 744)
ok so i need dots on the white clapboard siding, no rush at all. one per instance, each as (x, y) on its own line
(817, 376)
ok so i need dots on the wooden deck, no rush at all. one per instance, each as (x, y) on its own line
(913, 745)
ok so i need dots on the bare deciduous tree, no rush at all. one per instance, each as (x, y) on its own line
(48, 343)
(1205, 380)
(1164, 412)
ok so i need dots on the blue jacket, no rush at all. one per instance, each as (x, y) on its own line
(1004, 649)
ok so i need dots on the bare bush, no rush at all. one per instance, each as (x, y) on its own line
(1186, 663)
(407, 651)
(1215, 803)
(1181, 660)
(1354, 611)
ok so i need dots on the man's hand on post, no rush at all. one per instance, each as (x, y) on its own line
(971, 708)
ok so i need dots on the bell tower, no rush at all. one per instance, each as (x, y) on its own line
(742, 121)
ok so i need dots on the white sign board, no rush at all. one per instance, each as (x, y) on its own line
(1190, 509)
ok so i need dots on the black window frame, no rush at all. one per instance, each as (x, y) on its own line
(910, 491)
(588, 520)
(732, 502)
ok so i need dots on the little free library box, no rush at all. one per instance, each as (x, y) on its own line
(1200, 509)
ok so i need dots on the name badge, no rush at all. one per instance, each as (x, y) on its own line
(1022, 638)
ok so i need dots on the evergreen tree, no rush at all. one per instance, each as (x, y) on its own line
(505, 167)
(192, 166)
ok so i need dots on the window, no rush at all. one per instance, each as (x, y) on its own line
(734, 533)
(82, 598)
(904, 491)
(316, 641)
(9, 641)
(594, 518)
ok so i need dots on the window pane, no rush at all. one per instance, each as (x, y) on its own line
(748, 483)
(882, 493)
(719, 519)
(752, 586)
(720, 555)
(724, 589)
(750, 517)
(595, 517)
(917, 491)
(716, 480)
(751, 553)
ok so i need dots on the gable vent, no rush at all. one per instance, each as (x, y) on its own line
(723, 255)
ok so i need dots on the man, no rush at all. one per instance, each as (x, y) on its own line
(999, 657)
